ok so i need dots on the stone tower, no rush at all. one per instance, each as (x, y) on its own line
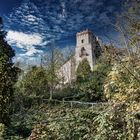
(86, 47)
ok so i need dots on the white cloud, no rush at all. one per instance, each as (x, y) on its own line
(30, 18)
(31, 51)
(23, 39)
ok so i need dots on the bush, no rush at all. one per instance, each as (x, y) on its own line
(68, 92)
(8, 77)
(2, 130)
(122, 87)
(89, 85)
(34, 82)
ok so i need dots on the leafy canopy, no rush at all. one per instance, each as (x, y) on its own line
(8, 77)
(83, 70)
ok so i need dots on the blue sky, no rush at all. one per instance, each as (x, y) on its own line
(33, 24)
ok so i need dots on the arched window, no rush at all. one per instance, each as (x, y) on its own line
(83, 52)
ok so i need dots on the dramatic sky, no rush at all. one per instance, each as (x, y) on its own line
(32, 25)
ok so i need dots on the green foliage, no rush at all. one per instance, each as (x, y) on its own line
(34, 83)
(122, 87)
(8, 77)
(53, 79)
(68, 92)
(83, 70)
(117, 80)
(53, 61)
(122, 83)
(89, 85)
(65, 124)
(2, 130)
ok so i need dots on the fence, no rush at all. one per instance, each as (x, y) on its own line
(76, 103)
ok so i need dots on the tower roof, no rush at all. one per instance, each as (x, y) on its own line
(87, 31)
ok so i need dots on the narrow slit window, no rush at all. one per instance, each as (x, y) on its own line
(82, 41)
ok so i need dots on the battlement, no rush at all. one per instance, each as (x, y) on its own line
(85, 37)
(87, 31)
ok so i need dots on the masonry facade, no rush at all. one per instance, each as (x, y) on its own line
(87, 46)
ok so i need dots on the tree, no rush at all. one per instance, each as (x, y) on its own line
(34, 83)
(90, 84)
(53, 61)
(8, 77)
(128, 26)
(83, 70)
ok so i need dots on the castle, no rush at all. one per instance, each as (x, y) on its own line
(87, 46)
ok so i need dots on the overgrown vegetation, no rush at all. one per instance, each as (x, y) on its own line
(37, 106)
(8, 77)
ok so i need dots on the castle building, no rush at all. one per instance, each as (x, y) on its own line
(87, 46)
